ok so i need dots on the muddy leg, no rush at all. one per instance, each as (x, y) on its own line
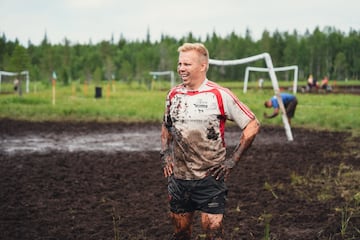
(212, 226)
(183, 225)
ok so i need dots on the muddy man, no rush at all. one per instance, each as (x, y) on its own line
(193, 150)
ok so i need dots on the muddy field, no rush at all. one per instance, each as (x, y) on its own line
(104, 181)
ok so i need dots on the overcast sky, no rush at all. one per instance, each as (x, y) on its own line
(83, 20)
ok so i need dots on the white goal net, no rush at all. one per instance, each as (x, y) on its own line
(277, 69)
(8, 80)
(165, 73)
(274, 81)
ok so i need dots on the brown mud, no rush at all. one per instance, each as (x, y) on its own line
(112, 192)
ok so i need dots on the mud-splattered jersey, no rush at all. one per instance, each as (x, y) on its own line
(196, 121)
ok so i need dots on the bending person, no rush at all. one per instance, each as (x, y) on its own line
(290, 102)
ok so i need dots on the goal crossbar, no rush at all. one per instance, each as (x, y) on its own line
(277, 69)
(274, 81)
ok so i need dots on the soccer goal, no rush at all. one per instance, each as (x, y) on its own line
(165, 73)
(274, 81)
(7, 80)
(277, 69)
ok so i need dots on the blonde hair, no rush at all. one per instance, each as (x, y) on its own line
(199, 47)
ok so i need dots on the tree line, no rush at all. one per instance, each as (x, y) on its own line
(328, 52)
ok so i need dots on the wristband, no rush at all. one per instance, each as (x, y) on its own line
(164, 152)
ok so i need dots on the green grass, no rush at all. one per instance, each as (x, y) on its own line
(135, 103)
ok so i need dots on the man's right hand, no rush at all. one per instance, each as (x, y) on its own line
(167, 163)
(168, 169)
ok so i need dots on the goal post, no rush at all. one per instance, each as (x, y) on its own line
(277, 69)
(274, 81)
(12, 74)
(164, 73)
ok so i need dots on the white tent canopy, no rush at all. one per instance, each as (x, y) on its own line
(26, 73)
(274, 82)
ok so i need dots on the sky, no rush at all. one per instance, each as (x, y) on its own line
(84, 21)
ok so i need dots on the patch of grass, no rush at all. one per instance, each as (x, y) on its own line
(341, 182)
(330, 183)
(269, 188)
(266, 218)
(135, 102)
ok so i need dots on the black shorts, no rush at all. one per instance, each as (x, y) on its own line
(207, 195)
(290, 108)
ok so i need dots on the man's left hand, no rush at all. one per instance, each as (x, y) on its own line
(222, 170)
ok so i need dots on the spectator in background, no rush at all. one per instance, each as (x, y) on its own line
(261, 83)
(325, 84)
(16, 84)
(311, 82)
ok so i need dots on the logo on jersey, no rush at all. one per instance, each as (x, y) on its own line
(201, 104)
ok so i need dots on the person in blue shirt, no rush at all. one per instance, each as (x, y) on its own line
(290, 102)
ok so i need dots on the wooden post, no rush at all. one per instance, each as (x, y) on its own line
(85, 88)
(53, 87)
(108, 91)
(53, 91)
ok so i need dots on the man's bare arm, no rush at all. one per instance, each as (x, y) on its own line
(247, 137)
(274, 114)
(165, 153)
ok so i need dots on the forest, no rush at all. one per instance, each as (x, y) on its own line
(322, 52)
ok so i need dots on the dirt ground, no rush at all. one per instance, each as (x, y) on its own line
(56, 184)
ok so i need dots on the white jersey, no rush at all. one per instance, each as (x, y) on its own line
(196, 122)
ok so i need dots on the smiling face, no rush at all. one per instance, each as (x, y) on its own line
(192, 69)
